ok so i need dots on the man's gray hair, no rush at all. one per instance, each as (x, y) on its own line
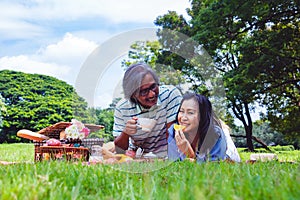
(133, 78)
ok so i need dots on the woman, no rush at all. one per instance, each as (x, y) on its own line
(200, 136)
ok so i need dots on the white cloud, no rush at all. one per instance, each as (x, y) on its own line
(115, 10)
(30, 19)
(14, 21)
(97, 35)
(25, 64)
(70, 51)
(62, 59)
(15, 29)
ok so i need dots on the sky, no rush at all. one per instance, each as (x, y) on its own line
(81, 42)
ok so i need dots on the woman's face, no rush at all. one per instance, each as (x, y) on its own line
(189, 115)
(148, 92)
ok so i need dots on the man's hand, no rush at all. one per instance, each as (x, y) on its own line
(183, 144)
(130, 127)
(122, 141)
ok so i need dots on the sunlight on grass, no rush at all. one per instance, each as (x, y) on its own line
(19, 152)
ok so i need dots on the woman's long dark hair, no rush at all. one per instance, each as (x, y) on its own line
(205, 110)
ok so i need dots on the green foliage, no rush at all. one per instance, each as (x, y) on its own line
(104, 117)
(2, 109)
(113, 104)
(148, 52)
(261, 150)
(255, 45)
(264, 132)
(283, 148)
(184, 54)
(271, 58)
(36, 101)
(143, 51)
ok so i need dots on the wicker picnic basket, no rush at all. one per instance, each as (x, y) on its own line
(54, 131)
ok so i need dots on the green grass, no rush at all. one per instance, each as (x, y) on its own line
(179, 180)
(19, 152)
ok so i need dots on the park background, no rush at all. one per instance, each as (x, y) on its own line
(254, 46)
(254, 52)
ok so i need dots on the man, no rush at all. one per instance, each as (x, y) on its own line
(145, 98)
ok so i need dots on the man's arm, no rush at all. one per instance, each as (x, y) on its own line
(122, 141)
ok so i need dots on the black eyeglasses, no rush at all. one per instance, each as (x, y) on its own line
(145, 92)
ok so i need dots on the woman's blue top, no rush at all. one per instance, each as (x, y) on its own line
(218, 152)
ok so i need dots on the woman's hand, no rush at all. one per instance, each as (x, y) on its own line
(183, 144)
(130, 127)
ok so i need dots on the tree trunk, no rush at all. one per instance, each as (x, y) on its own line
(261, 142)
(254, 138)
(248, 130)
(241, 111)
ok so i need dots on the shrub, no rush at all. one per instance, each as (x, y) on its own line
(283, 148)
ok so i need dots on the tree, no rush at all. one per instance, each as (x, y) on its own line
(275, 67)
(226, 30)
(263, 131)
(2, 109)
(114, 103)
(148, 52)
(106, 116)
(36, 101)
(184, 53)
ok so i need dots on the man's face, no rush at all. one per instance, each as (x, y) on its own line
(148, 92)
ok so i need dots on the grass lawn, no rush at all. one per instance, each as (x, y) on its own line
(179, 180)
